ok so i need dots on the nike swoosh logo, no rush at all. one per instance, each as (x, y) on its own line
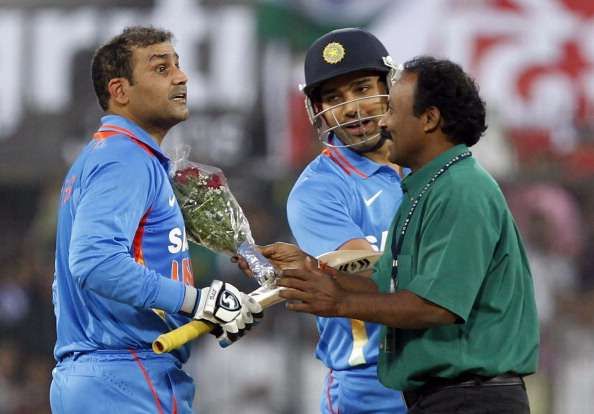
(371, 199)
(171, 201)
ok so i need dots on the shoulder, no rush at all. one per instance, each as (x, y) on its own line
(327, 164)
(322, 170)
(468, 186)
(470, 177)
(119, 154)
(321, 177)
(120, 149)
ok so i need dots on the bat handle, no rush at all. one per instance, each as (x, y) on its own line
(169, 341)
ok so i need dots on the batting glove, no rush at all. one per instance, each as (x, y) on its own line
(233, 312)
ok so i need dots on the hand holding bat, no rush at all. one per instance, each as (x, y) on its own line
(287, 257)
(312, 290)
(176, 338)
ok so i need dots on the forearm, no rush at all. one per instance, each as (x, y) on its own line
(116, 276)
(403, 310)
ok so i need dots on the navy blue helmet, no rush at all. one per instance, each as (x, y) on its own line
(341, 52)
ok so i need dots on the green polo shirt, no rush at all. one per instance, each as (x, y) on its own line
(463, 252)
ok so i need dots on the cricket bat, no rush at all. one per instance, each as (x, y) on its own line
(348, 261)
(178, 337)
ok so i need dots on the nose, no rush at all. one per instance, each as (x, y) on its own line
(382, 121)
(180, 77)
(351, 107)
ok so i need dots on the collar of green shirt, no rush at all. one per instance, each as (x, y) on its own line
(413, 183)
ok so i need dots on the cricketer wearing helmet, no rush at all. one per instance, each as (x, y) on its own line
(346, 199)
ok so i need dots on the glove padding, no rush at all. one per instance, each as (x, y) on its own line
(233, 312)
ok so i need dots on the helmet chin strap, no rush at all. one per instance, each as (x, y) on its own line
(384, 135)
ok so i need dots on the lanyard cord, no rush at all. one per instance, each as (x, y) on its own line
(397, 243)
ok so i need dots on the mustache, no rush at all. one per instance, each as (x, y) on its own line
(181, 90)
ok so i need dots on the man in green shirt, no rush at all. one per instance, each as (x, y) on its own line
(453, 290)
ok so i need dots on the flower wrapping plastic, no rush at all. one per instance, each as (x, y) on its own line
(213, 217)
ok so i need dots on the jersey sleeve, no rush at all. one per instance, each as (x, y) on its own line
(115, 195)
(320, 216)
(450, 272)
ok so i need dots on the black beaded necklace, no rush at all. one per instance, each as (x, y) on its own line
(397, 243)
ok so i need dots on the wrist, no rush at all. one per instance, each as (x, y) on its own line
(191, 301)
(343, 304)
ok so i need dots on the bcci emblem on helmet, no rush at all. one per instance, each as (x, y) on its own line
(333, 53)
(343, 51)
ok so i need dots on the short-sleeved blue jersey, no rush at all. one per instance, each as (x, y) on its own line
(341, 196)
(121, 250)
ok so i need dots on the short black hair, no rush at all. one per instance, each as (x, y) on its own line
(444, 84)
(114, 59)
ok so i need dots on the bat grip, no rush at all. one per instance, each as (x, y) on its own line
(169, 341)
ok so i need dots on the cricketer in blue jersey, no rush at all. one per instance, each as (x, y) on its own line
(346, 198)
(123, 273)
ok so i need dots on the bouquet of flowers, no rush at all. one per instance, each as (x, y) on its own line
(213, 218)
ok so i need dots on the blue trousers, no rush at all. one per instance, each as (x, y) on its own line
(121, 382)
(358, 391)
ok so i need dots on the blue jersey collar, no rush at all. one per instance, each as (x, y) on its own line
(140, 134)
(360, 164)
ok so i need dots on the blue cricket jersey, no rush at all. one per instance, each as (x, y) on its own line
(341, 196)
(121, 250)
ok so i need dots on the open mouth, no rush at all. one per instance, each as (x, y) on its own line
(180, 97)
(358, 128)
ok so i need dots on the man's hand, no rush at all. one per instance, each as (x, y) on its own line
(312, 290)
(232, 311)
(285, 255)
(282, 255)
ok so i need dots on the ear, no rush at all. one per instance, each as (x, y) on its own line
(118, 90)
(316, 106)
(431, 119)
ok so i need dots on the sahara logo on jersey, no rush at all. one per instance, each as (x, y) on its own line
(178, 241)
(187, 275)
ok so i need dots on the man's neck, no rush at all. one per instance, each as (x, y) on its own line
(381, 156)
(157, 133)
(434, 148)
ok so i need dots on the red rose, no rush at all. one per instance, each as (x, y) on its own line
(182, 176)
(214, 181)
